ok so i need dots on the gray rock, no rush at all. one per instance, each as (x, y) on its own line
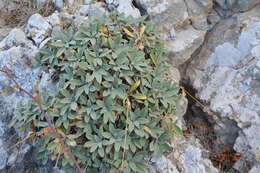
(226, 74)
(58, 3)
(255, 169)
(193, 162)
(40, 2)
(112, 4)
(162, 165)
(14, 38)
(54, 19)
(81, 14)
(198, 11)
(225, 55)
(238, 5)
(3, 158)
(82, 10)
(126, 7)
(184, 44)
(2, 129)
(71, 2)
(12, 157)
(244, 5)
(213, 18)
(37, 28)
(96, 9)
(87, 2)
(168, 13)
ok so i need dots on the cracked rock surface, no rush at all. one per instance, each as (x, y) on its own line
(214, 44)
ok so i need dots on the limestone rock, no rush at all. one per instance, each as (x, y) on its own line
(198, 11)
(58, 3)
(126, 7)
(192, 161)
(185, 43)
(255, 169)
(168, 13)
(3, 158)
(162, 165)
(237, 5)
(37, 28)
(15, 37)
(54, 19)
(96, 9)
(226, 74)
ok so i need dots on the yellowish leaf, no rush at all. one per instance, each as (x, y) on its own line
(130, 34)
(153, 58)
(142, 29)
(134, 86)
(61, 132)
(139, 96)
(147, 129)
(53, 157)
(104, 30)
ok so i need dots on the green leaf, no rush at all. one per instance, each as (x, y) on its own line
(60, 52)
(74, 106)
(139, 96)
(42, 124)
(133, 166)
(134, 86)
(93, 148)
(177, 129)
(101, 152)
(89, 144)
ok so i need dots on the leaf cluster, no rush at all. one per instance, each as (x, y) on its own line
(114, 99)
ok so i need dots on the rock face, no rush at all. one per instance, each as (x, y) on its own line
(17, 53)
(217, 41)
(237, 5)
(226, 74)
(187, 157)
(37, 28)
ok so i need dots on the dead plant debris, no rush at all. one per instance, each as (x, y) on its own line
(23, 9)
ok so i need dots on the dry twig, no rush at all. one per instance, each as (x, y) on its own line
(37, 99)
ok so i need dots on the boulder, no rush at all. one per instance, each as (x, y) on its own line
(37, 28)
(226, 74)
(184, 44)
(124, 6)
(237, 5)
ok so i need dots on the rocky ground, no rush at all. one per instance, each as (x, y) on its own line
(215, 53)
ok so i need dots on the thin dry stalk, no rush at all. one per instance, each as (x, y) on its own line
(37, 100)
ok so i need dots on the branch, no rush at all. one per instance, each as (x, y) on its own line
(37, 99)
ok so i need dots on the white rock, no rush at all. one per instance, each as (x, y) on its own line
(3, 158)
(96, 9)
(54, 19)
(37, 28)
(15, 37)
(162, 165)
(58, 3)
(126, 7)
(192, 160)
(184, 44)
(70, 2)
(87, 2)
(12, 158)
(255, 169)
(226, 74)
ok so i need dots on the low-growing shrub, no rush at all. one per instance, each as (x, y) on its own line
(114, 102)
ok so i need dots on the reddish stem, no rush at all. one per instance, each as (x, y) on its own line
(8, 73)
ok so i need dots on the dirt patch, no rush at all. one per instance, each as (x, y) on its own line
(217, 136)
(17, 12)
